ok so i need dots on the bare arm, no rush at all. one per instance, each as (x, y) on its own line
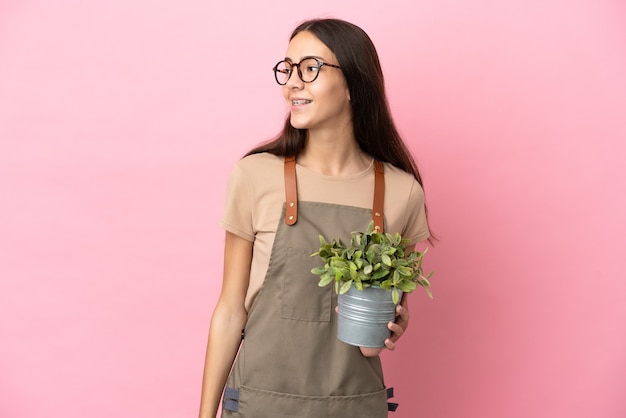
(229, 319)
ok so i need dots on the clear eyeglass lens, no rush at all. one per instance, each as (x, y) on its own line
(309, 69)
(283, 69)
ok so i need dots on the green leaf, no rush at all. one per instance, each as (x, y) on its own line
(405, 271)
(338, 263)
(395, 296)
(385, 259)
(380, 274)
(322, 241)
(407, 286)
(345, 287)
(390, 251)
(318, 270)
(325, 280)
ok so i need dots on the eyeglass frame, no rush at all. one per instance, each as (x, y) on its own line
(320, 64)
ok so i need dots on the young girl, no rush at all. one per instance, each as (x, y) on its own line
(339, 148)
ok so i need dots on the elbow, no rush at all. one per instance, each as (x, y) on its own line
(230, 316)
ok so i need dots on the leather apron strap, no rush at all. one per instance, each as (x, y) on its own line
(291, 191)
(291, 194)
(379, 196)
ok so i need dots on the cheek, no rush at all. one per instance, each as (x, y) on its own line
(285, 91)
(332, 95)
(340, 97)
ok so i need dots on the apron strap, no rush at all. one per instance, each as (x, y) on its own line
(379, 197)
(230, 402)
(391, 406)
(291, 193)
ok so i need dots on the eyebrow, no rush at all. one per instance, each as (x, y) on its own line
(308, 56)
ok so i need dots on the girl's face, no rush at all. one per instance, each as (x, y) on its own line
(323, 104)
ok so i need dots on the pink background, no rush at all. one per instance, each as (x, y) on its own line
(119, 123)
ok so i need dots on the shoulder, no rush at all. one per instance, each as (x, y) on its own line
(259, 173)
(399, 180)
(261, 161)
(405, 208)
(258, 168)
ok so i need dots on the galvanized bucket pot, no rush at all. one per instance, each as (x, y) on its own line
(363, 316)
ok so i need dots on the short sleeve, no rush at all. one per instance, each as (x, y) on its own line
(237, 217)
(416, 224)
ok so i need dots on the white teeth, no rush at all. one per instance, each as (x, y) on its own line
(300, 102)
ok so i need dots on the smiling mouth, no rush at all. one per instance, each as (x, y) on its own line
(300, 102)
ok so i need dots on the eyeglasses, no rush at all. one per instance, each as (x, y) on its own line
(308, 70)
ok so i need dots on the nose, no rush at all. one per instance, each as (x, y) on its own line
(294, 81)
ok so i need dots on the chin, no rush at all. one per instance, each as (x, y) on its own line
(298, 124)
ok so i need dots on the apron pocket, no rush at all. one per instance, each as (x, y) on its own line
(303, 299)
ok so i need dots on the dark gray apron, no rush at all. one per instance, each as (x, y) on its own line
(291, 363)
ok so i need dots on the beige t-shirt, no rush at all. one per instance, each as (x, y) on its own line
(256, 194)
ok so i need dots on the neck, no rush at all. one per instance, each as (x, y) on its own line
(333, 153)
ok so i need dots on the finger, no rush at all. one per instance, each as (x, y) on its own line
(396, 331)
(404, 301)
(390, 344)
(401, 321)
(402, 313)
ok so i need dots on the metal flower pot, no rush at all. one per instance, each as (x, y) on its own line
(363, 316)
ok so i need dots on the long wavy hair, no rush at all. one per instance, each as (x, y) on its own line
(374, 129)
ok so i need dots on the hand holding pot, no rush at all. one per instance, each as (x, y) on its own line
(397, 328)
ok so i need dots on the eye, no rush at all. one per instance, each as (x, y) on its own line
(310, 66)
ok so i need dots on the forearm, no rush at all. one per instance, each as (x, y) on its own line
(371, 352)
(222, 347)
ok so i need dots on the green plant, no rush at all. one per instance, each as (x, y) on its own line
(371, 259)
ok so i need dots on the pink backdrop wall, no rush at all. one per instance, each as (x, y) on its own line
(119, 122)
